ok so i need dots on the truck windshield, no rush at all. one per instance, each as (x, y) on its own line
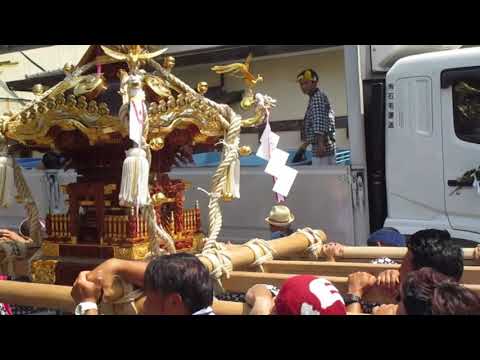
(466, 104)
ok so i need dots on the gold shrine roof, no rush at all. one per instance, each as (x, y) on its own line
(88, 100)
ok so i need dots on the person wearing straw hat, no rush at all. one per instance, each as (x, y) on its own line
(280, 221)
(319, 122)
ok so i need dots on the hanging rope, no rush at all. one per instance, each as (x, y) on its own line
(156, 232)
(32, 210)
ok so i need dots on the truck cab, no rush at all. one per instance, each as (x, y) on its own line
(432, 138)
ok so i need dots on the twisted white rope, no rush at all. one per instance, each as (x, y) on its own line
(219, 179)
(32, 210)
(155, 230)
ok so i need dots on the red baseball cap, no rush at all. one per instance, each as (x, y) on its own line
(309, 295)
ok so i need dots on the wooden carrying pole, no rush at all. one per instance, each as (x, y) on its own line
(242, 256)
(471, 274)
(297, 244)
(58, 298)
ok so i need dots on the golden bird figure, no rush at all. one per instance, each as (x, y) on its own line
(135, 55)
(240, 68)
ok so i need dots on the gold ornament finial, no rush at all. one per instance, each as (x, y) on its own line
(169, 63)
(241, 71)
(157, 144)
(38, 89)
(245, 151)
(202, 87)
(68, 68)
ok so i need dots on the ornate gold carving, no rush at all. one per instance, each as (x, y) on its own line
(89, 84)
(134, 55)
(136, 252)
(157, 85)
(43, 271)
(50, 249)
(68, 114)
(160, 199)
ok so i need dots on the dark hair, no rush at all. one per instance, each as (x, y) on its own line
(455, 299)
(418, 289)
(435, 249)
(183, 274)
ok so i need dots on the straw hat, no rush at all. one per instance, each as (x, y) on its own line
(280, 216)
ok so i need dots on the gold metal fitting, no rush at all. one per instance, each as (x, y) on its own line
(38, 89)
(169, 62)
(245, 151)
(157, 144)
(68, 68)
(228, 197)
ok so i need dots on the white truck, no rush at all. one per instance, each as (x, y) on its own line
(414, 125)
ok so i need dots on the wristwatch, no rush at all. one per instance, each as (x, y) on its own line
(350, 299)
(273, 289)
(83, 307)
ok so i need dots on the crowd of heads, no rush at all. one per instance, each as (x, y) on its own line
(428, 282)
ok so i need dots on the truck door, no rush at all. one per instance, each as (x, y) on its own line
(460, 96)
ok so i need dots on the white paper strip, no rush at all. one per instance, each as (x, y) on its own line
(277, 162)
(267, 138)
(285, 181)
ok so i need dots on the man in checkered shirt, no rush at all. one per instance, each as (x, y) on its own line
(319, 121)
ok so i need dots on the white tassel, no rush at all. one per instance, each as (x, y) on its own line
(134, 191)
(7, 184)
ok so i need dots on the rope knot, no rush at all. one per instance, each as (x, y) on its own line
(316, 238)
(221, 263)
(263, 252)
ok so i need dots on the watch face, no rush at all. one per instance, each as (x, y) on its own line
(351, 299)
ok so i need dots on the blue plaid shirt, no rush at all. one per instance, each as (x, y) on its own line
(319, 119)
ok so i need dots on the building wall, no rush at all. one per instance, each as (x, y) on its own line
(280, 83)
